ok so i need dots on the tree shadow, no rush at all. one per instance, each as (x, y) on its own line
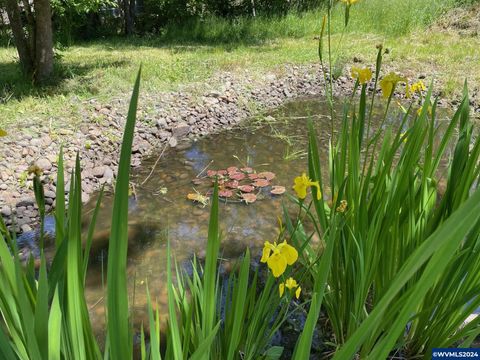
(14, 85)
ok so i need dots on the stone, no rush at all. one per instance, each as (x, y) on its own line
(25, 228)
(3, 187)
(161, 123)
(214, 94)
(50, 194)
(98, 171)
(173, 142)
(36, 142)
(6, 211)
(24, 202)
(180, 130)
(85, 197)
(108, 174)
(44, 164)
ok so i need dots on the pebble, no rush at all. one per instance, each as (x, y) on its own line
(44, 164)
(6, 211)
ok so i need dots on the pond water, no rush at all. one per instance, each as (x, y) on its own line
(159, 207)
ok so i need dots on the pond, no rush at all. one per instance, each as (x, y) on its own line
(159, 208)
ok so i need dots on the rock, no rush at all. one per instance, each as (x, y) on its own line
(85, 197)
(214, 94)
(98, 171)
(44, 164)
(24, 202)
(108, 174)
(3, 187)
(161, 123)
(181, 130)
(25, 228)
(50, 194)
(6, 211)
(173, 142)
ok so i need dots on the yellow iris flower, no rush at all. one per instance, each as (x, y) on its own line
(363, 75)
(389, 81)
(290, 284)
(278, 256)
(301, 185)
(349, 2)
(419, 86)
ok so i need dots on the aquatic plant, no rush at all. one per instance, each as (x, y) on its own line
(235, 184)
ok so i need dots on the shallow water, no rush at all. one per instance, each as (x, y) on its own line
(159, 208)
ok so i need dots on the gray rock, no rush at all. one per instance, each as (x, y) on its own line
(98, 171)
(108, 174)
(25, 228)
(36, 142)
(181, 130)
(6, 211)
(44, 164)
(50, 194)
(24, 202)
(173, 142)
(85, 197)
(161, 123)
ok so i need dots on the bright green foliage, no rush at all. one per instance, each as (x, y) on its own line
(397, 270)
(46, 316)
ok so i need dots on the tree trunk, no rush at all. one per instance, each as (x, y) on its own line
(43, 40)
(129, 11)
(21, 41)
(34, 40)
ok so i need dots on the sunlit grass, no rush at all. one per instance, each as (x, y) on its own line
(105, 69)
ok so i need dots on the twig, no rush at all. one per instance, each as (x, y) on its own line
(96, 303)
(205, 168)
(154, 165)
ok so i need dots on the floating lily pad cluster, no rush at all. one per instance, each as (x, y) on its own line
(240, 184)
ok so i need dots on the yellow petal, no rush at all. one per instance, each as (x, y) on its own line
(281, 289)
(386, 87)
(265, 253)
(301, 191)
(289, 252)
(277, 263)
(315, 184)
(291, 283)
(3, 132)
(297, 293)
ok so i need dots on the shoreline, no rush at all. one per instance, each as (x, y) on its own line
(163, 119)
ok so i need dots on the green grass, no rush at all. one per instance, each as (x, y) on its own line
(193, 54)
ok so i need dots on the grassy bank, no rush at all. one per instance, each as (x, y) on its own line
(190, 54)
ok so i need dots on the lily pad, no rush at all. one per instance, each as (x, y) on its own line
(277, 190)
(249, 198)
(237, 176)
(232, 184)
(246, 188)
(225, 193)
(211, 173)
(222, 172)
(268, 175)
(232, 169)
(253, 176)
(261, 183)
